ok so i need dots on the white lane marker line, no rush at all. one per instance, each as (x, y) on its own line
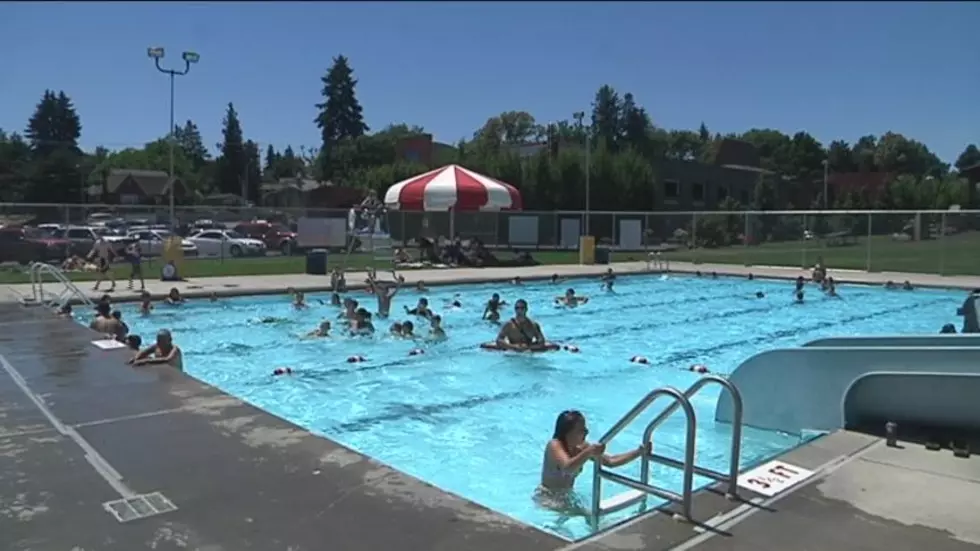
(95, 459)
(135, 416)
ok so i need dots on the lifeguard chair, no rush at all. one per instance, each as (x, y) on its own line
(368, 233)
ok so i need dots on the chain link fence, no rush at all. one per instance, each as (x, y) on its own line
(936, 242)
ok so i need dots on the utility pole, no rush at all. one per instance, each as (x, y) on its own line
(156, 54)
(826, 174)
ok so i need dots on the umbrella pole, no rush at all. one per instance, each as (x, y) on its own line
(452, 223)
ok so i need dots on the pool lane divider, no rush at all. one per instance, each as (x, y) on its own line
(784, 333)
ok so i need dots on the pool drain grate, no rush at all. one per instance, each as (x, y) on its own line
(137, 507)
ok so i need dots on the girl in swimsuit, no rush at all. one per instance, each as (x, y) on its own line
(565, 455)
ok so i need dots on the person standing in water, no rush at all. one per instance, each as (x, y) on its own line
(384, 291)
(566, 455)
(969, 312)
(520, 333)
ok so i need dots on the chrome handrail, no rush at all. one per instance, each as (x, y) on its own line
(36, 272)
(736, 448)
(680, 400)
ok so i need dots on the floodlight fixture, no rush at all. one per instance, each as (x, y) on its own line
(191, 57)
(155, 53)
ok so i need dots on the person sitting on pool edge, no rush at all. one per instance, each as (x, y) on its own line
(566, 454)
(163, 352)
(521, 333)
(570, 299)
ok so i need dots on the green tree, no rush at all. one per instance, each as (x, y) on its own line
(52, 132)
(271, 161)
(969, 157)
(252, 176)
(864, 153)
(840, 158)
(15, 167)
(233, 163)
(635, 126)
(188, 138)
(340, 115)
(606, 110)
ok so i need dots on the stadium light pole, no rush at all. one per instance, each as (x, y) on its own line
(190, 58)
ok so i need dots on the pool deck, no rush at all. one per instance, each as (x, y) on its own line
(273, 284)
(79, 428)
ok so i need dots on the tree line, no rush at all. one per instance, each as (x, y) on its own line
(45, 164)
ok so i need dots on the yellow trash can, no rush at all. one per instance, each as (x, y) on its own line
(586, 250)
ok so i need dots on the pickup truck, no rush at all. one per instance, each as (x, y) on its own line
(26, 245)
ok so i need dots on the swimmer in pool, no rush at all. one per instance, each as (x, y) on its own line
(350, 309)
(890, 285)
(420, 287)
(396, 329)
(335, 299)
(384, 291)
(555, 279)
(435, 330)
(455, 303)
(421, 309)
(299, 300)
(831, 287)
(570, 299)
(174, 298)
(213, 297)
(408, 329)
(520, 333)
(322, 331)
(361, 325)
(799, 297)
(492, 311)
(146, 306)
(800, 282)
(608, 279)
(906, 286)
(564, 457)
(516, 281)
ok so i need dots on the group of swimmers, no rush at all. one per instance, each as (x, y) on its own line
(109, 322)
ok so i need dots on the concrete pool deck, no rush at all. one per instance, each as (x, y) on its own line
(79, 428)
(273, 284)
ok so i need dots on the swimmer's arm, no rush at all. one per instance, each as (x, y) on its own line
(143, 355)
(566, 462)
(504, 342)
(621, 459)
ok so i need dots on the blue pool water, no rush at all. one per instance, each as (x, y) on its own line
(475, 422)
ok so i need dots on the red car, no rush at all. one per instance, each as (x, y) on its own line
(276, 237)
(26, 245)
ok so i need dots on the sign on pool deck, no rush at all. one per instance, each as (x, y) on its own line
(773, 478)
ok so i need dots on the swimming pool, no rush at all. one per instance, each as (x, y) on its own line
(475, 422)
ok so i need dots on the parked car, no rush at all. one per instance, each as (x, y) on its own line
(83, 237)
(226, 243)
(275, 236)
(26, 245)
(152, 242)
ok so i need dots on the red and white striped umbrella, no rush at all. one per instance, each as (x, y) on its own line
(452, 187)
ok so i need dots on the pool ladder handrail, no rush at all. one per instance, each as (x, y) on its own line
(37, 270)
(642, 487)
(656, 260)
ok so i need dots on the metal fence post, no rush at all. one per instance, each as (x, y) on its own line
(745, 240)
(942, 244)
(694, 237)
(868, 261)
(803, 245)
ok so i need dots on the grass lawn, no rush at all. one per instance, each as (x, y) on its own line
(269, 265)
(953, 255)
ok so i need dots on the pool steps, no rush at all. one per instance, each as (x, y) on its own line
(641, 488)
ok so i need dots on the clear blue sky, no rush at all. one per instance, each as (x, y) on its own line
(835, 69)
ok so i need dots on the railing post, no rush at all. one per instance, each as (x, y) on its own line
(803, 245)
(745, 240)
(942, 244)
(868, 261)
(694, 237)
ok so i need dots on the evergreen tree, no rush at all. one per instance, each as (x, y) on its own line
(232, 164)
(52, 132)
(189, 140)
(253, 172)
(271, 160)
(340, 115)
(606, 111)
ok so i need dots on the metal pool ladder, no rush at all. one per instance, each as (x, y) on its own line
(37, 270)
(641, 488)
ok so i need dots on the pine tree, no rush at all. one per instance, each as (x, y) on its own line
(232, 164)
(52, 132)
(189, 139)
(606, 110)
(253, 171)
(271, 160)
(340, 116)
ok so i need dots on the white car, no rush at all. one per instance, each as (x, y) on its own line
(226, 243)
(152, 242)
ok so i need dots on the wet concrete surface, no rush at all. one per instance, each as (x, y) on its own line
(241, 479)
